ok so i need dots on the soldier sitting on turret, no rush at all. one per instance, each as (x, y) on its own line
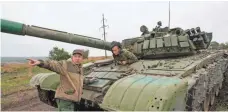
(158, 27)
(122, 56)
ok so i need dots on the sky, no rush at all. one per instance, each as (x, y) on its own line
(124, 20)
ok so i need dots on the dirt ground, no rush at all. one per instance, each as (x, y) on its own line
(25, 101)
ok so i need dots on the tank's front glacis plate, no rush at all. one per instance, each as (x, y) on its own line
(144, 92)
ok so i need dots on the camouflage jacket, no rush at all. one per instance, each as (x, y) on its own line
(71, 78)
(125, 55)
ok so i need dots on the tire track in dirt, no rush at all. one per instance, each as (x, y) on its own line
(25, 101)
(32, 105)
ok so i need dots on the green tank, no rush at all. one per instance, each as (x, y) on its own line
(175, 71)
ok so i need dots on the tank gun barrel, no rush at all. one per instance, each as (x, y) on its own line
(17, 28)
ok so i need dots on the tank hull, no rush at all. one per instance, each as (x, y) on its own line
(183, 83)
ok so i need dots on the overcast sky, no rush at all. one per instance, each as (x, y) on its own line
(124, 20)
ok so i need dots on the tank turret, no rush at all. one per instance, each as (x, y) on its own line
(162, 42)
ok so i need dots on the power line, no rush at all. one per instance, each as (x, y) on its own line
(103, 27)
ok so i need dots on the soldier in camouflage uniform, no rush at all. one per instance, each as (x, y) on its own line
(122, 56)
(69, 92)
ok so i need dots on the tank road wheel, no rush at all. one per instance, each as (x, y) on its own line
(217, 92)
(220, 86)
(212, 98)
(206, 103)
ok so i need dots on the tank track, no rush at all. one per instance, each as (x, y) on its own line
(209, 81)
(47, 96)
(222, 100)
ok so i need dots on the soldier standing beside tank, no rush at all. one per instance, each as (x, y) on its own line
(68, 93)
(122, 56)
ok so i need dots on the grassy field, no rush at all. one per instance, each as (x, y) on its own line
(16, 77)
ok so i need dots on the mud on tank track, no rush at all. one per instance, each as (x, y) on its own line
(208, 86)
(221, 103)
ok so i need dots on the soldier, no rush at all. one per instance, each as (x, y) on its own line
(144, 30)
(122, 56)
(158, 27)
(159, 23)
(68, 93)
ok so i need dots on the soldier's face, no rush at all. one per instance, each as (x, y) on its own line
(77, 58)
(115, 50)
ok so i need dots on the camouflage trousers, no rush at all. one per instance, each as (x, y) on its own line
(64, 105)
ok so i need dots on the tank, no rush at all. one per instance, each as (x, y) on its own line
(175, 71)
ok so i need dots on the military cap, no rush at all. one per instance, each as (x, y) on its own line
(78, 51)
(114, 43)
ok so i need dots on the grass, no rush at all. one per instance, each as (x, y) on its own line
(222, 107)
(17, 81)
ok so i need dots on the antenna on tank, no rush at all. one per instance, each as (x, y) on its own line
(169, 14)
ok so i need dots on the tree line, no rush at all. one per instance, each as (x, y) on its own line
(216, 45)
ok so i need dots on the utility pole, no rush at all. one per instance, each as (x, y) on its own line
(169, 14)
(104, 33)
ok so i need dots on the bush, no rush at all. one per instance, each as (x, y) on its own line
(58, 54)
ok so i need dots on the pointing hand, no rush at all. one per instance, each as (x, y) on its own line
(33, 62)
